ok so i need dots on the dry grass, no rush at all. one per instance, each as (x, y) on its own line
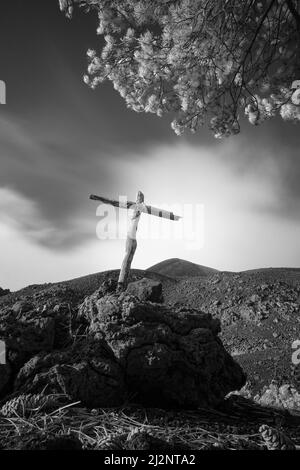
(234, 426)
(94, 428)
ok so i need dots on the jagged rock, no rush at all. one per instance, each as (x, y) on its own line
(284, 397)
(26, 332)
(146, 289)
(159, 355)
(170, 356)
(4, 292)
(108, 286)
(22, 306)
(29, 328)
(86, 372)
(63, 317)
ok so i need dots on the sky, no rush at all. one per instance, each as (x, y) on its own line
(60, 141)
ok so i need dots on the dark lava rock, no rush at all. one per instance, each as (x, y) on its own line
(108, 286)
(118, 346)
(22, 306)
(146, 289)
(170, 356)
(63, 316)
(85, 372)
(26, 332)
(4, 292)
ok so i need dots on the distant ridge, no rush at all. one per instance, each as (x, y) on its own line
(176, 267)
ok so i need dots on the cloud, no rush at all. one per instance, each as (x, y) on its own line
(239, 231)
(23, 216)
(61, 141)
(54, 179)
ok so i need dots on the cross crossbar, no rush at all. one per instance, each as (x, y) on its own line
(137, 208)
(151, 210)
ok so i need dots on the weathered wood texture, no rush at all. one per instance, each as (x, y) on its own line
(131, 242)
(143, 207)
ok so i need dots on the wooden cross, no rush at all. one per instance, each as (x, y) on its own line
(137, 208)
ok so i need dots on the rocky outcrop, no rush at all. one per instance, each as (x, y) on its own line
(117, 346)
(86, 372)
(26, 331)
(170, 357)
(284, 396)
(4, 292)
(146, 289)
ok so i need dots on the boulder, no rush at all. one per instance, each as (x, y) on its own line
(22, 306)
(108, 286)
(156, 354)
(63, 317)
(170, 356)
(280, 396)
(26, 332)
(86, 372)
(4, 292)
(146, 289)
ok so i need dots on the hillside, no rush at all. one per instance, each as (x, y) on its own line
(259, 314)
(258, 309)
(77, 288)
(178, 268)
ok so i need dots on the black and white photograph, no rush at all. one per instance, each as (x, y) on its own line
(149, 228)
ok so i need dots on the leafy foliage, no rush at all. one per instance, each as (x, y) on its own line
(202, 61)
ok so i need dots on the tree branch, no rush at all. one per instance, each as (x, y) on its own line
(294, 12)
(258, 29)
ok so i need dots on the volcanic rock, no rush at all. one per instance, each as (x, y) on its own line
(108, 286)
(118, 345)
(284, 396)
(22, 306)
(170, 356)
(25, 332)
(4, 292)
(85, 372)
(146, 289)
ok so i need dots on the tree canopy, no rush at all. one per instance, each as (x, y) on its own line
(203, 62)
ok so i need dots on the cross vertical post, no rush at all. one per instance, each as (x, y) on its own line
(131, 242)
(137, 208)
